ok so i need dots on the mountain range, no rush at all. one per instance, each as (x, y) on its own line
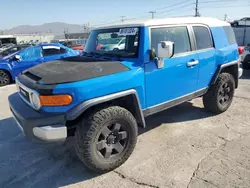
(55, 28)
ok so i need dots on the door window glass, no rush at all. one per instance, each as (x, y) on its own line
(31, 54)
(178, 35)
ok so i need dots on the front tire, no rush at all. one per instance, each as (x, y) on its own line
(5, 78)
(106, 138)
(220, 95)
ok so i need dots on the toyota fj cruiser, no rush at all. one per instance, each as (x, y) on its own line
(103, 96)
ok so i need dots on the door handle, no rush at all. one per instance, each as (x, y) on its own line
(192, 63)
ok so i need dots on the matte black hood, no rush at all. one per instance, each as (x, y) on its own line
(72, 69)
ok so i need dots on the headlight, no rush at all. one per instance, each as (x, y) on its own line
(35, 101)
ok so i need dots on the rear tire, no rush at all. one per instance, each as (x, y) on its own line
(5, 78)
(106, 138)
(220, 95)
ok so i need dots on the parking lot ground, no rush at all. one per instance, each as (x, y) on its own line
(181, 147)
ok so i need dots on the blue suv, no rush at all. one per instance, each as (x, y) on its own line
(15, 63)
(102, 97)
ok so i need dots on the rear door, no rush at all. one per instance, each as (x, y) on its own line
(206, 54)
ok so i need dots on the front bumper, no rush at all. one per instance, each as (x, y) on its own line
(37, 126)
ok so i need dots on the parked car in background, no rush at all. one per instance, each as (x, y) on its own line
(245, 57)
(242, 22)
(7, 39)
(114, 44)
(12, 49)
(74, 44)
(12, 65)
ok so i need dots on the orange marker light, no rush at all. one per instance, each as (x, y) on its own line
(55, 100)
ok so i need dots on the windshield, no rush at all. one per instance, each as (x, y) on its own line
(122, 42)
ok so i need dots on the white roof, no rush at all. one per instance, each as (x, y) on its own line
(211, 22)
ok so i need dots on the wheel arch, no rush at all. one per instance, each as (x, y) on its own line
(128, 99)
(231, 68)
(8, 72)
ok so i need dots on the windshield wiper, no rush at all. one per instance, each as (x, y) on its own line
(92, 54)
(118, 57)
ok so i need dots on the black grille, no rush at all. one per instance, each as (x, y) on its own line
(25, 94)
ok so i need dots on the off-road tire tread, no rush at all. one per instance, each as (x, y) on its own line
(88, 127)
(210, 98)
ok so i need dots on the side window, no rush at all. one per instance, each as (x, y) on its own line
(31, 54)
(179, 35)
(63, 51)
(230, 34)
(203, 37)
(53, 51)
(48, 51)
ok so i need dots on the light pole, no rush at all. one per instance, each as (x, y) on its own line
(196, 9)
(153, 14)
(122, 18)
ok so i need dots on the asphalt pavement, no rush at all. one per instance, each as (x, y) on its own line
(184, 147)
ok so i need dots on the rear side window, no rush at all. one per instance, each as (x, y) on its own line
(230, 34)
(53, 51)
(203, 37)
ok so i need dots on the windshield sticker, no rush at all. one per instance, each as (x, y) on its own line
(128, 31)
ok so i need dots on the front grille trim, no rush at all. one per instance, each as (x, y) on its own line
(28, 90)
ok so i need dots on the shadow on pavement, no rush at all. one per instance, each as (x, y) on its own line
(180, 113)
(24, 164)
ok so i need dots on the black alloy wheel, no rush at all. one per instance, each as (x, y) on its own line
(112, 140)
(225, 94)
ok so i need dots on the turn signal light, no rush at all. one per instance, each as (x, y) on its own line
(55, 100)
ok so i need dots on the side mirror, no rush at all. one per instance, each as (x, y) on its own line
(17, 58)
(165, 49)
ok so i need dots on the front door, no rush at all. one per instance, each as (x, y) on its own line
(179, 76)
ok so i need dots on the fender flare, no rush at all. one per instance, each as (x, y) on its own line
(220, 68)
(75, 112)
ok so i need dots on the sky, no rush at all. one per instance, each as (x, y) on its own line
(99, 12)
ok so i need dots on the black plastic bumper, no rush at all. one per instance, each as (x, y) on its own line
(45, 123)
